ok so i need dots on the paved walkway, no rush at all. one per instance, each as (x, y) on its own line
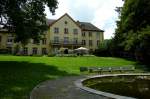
(63, 88)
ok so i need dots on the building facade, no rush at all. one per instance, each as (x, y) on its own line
(63, 33)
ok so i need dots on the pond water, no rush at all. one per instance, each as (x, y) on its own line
(132, 86)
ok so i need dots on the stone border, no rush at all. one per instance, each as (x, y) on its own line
(79, 84)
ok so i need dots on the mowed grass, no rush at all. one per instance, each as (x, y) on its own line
(20, 74)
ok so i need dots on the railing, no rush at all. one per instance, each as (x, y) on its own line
(53, 42)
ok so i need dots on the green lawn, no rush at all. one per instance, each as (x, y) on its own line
(19, 74)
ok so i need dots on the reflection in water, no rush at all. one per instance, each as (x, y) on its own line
(133, 86)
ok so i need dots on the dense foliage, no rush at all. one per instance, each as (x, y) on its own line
(104, 49)
(26, 18)
(132, 35)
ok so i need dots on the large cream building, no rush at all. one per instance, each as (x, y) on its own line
(63, 33)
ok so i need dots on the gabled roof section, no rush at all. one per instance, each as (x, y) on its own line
(54, 21)
(86, 26)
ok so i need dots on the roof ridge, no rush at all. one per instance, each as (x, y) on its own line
(83, 25)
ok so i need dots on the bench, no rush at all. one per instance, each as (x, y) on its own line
(107, 69)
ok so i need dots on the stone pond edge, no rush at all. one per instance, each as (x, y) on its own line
(79, 84)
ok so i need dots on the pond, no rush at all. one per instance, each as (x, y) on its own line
(127, 85)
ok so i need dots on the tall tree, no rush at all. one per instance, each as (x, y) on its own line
(26, 18)
(133, 33)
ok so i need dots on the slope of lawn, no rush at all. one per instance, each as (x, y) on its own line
(19, 74)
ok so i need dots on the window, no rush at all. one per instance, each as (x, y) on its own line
(75, 31)
(66, 22)
(66, 40)
(83, 42)
(56, 50)
(34, 50)
(44, 51)
(25, 50)
(10, 39)
(56, 39)
(90, 34)
(75, 40)
(98, 35)
(83, 33)
(98, 42)
(90, 43)
(56, 30)
(44, 41)
(65, 30)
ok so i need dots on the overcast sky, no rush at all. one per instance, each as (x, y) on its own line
(99, 12)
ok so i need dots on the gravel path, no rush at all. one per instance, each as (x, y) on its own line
(63, 88)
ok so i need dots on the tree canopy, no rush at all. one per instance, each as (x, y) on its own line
(25, 18)
(133, 29)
